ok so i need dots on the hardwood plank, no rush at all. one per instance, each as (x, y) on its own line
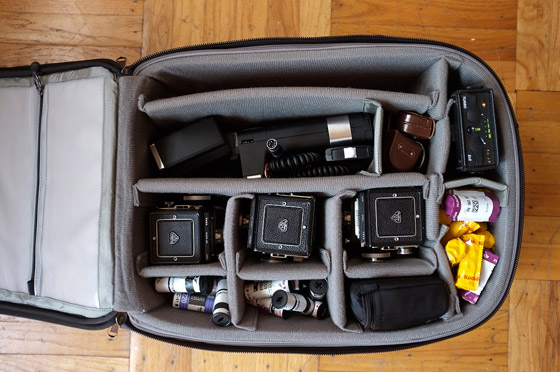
(270, 362)
(61, 363)
(539, 136)
(24, 54)
(158, 26)
(190, 22)
(538, 106)
(538, 45)
(302, 363)
(485, 348)
(149, 355)
(29, 337)
(488, 44)
(81, 30)
(534, 319)
(540, 250)
(506, 72)
(105, 7)
(542, 168)
(206, 361)
(542, 202)
(232, 362)
(315, 18)
(438, 13)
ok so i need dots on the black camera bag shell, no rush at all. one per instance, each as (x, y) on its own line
(79, 181)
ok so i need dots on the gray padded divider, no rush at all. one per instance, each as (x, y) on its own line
(434, 79)
(240, 317)
(157, 271)
(336, 295)
(425, 264)
(251, 268)
(444, 272)
(432, 194)
(275, 103)
(439, 147)
(323, 186)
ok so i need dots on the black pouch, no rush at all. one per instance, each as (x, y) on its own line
(396, 303)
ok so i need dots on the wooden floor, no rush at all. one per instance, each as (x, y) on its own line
(521, 41)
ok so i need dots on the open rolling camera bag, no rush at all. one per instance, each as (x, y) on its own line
(78, 182)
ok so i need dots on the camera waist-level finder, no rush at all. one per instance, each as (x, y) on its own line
(388, 220)
(282, 227)
(474, 133)
(186, 234)
(306, 135)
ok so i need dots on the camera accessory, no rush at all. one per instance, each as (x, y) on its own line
(471, 205)
(306, 135)
(185, 235)
(194, 146)
(389, 220)
(194, 302)
(395, 303)
(320, 310)
(489, 261)
(257, 290)
(264, 305)
(197, 284)
(318, 289)
(292, 302)
(415, 125)
(349, 153)
(402, 153)
(474, 133)
(282, 226)
(220, 313)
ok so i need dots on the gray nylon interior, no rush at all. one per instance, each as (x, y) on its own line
(410, 69)
(73, 254)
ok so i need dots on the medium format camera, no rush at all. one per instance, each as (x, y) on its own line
(383, 222)
(282, 226)
(186, 234)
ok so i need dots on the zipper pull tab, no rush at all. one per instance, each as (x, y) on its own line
(113, 331)
(122, 62)
(35, 67)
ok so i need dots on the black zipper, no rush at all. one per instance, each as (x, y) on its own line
(35, 70)
(346, 39)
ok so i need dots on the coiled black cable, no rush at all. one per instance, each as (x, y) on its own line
(307, 164)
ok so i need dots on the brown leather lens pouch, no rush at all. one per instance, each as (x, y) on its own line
(416, 125)
(403, 154)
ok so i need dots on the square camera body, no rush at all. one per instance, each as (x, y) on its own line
(183, 236)
(390, 218)
(282, 226)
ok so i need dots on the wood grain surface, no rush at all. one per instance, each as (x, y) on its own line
(520, 40)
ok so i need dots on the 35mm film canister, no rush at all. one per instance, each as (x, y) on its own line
(292, 302)
(265, 289)
(264, 305)
(194, 302)
(197, 284)
(320, 310)
(220, 313)
(318, 289)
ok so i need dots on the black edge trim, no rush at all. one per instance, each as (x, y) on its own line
(52, 316)
(51, 68)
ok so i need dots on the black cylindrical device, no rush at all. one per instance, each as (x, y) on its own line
(220, 313)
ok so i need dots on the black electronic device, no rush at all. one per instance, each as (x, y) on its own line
(384, 221)
(193, 146)
(185, 234)
(253, 145)
(282, 226)
(474, 134)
